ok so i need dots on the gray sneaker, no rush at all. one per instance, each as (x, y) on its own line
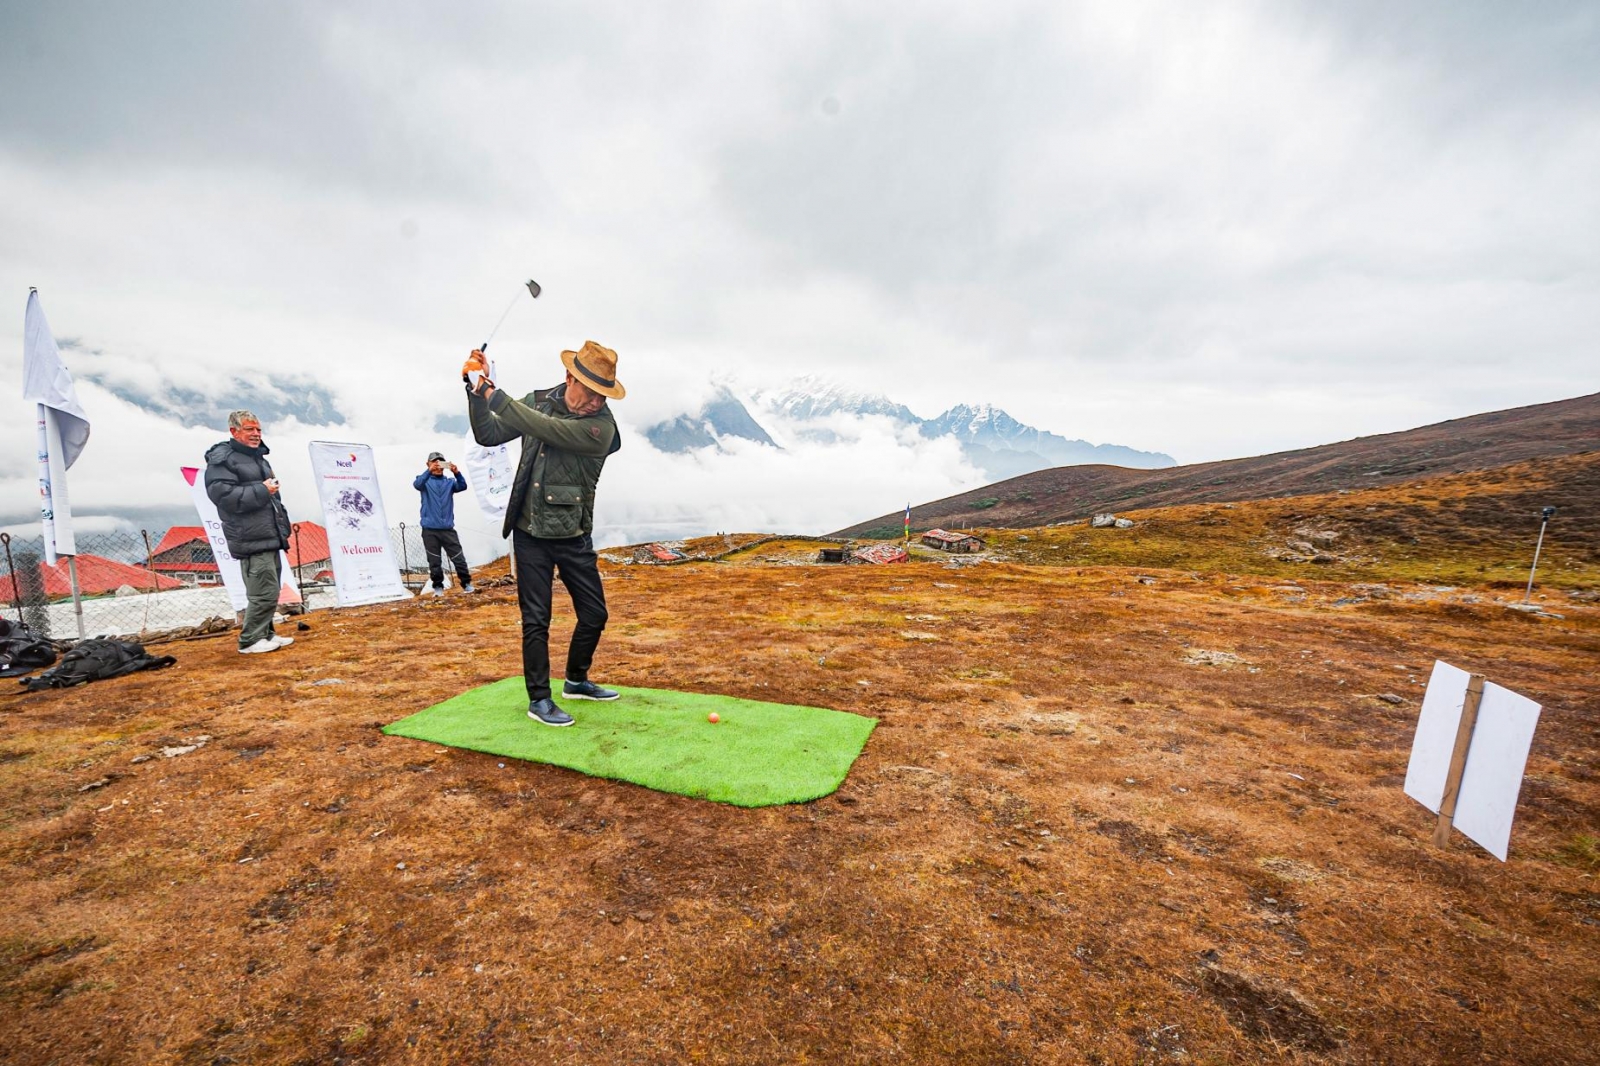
(468, 588)
(585, 690)
(546, 711)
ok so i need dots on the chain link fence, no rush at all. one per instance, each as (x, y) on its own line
(147, 583)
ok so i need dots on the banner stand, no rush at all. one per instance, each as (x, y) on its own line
(365, 569)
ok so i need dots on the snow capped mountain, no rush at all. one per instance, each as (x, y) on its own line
(1004, 447)
(723, 415)
(813, 397)
(991, 439)
(975, 421)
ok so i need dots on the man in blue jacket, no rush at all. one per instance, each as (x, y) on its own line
(439, 522)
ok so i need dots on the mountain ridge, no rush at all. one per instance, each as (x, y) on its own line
(1482, 441)
(990, 438)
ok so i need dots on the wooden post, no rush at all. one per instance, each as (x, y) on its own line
(1458, 761)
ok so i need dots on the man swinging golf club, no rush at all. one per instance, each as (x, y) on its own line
(567, 432)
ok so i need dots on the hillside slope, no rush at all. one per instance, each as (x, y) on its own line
(1108, 816)
(1478, 442)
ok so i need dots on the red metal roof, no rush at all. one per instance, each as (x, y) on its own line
(177, 537)
(882, 553)
(186, 568)
(951, 538)
(310, 546)
(96, 576)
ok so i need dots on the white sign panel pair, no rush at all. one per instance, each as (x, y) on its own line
(1496, 759)
(364, 565)
(227, 565)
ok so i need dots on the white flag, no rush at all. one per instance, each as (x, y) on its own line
(46, 380)
(63, 428)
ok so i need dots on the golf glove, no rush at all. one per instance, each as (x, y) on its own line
(475, 371)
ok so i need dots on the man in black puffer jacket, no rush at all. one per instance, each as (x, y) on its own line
(240, 482)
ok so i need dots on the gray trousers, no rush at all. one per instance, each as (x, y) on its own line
(262, 574)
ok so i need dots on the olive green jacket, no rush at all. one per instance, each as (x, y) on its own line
(562, 454)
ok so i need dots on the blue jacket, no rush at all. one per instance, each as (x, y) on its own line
(438, 509)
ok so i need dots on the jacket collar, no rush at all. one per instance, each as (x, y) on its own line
(247, 450)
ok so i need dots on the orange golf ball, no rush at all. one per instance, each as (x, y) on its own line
(713, 718)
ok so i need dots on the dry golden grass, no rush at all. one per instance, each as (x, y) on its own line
(1065, 843)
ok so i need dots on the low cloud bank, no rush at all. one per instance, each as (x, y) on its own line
(129, 478)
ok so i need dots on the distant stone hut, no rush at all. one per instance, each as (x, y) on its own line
(952, 542)
(657, 553)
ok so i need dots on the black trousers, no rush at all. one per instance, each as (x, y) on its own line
(433, 540)
(537, 560)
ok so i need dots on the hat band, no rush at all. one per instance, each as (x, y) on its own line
(609, 383)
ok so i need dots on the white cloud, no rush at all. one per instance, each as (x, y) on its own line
(806, 487)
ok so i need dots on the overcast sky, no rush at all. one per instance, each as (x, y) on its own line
(1210, 230)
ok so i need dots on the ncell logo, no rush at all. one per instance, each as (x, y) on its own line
(349, 465)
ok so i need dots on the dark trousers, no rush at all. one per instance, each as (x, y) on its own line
(433, 540)
(536, 560)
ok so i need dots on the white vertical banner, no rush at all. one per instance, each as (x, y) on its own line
(53, 492)
(227, 565)
(489, 470)
(365, 569)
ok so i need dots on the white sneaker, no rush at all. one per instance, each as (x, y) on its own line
(282, 641)
(468, 588)
(261, 647)
(431, 591)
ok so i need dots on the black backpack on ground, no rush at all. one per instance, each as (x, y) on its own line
(96, 659)
(22, 651)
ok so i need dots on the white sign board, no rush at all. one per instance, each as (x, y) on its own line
(227, 565)
(1487, 801)
(364, 566)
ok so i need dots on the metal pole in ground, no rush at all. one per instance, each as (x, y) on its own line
(77, 595)
(11, 572)
(149, 559)
(405, 558)
(299, 572)
(1545, 516)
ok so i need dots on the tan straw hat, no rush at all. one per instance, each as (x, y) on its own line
(596, 366)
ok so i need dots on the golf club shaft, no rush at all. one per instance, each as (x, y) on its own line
(484, 347)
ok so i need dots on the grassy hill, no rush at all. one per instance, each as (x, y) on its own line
(1480, 442)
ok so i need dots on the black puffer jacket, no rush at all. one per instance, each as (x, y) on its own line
(253, 519)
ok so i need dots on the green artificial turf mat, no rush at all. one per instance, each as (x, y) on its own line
(759, 754)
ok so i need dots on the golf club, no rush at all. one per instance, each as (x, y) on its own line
(533, 290)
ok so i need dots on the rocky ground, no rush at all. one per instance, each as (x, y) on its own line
(1111, 814)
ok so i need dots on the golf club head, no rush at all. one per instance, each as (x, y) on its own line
(533, 288)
